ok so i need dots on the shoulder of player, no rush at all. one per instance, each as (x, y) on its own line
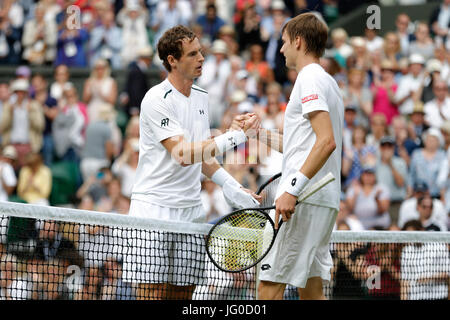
(157, 94)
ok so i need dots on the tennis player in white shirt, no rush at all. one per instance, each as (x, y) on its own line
(311, 145)
(175, 148)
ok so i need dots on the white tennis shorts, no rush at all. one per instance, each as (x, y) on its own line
(164, 257)
(301, 248)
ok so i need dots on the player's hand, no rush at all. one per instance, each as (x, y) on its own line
(239, 121)
(254, 195)
(284, 206)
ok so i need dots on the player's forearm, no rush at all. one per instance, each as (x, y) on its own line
(271, 139)
(319, 154)
(210, 167)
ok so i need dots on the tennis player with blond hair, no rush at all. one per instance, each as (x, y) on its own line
(311, 144)
(175, 148)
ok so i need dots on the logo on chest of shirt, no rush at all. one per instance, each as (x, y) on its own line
(201, 111)
(164, 122)
(310, 98)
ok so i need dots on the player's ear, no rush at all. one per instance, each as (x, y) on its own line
(171, 60)
(298, 42)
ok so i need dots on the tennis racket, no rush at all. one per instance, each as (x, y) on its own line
(241, 239)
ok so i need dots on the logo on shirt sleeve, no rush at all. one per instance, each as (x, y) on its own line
(310, 98)
(164, 122)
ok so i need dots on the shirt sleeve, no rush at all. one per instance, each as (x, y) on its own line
(159, 118)
(312, 95)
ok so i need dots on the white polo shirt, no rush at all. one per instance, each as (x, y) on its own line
(314, 90)
(165, 112)
(436, 115)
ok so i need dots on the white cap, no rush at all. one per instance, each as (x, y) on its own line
(436, 133)
(219, 46)
(434, 65)
(133, 5)
(9, 152)
(20, 85)
(277, 5)
(242, 74)
(245, 106)
(238, 96)
(416, 58)
(146, 51)
(358, 42)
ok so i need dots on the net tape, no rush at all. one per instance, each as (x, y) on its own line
(217, 284)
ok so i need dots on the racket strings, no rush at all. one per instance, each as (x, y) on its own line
(269, 192)
(240, 240)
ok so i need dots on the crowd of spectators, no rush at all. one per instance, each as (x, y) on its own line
(396, 140)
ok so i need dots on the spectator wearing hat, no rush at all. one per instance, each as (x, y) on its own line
(437, 111)
(216, 70)
(384, 90)
(369, 200)
(409, 84)
(417, 125)
(423, 43)
(210, 21)
(136, 85)
(22, 122)
(106, 41)
(132, 18)
(393, 171)
(427, 162)
(432, 74)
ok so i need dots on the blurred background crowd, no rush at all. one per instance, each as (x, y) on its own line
(65, 145)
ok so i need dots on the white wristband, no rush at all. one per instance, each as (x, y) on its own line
(295, 183)
(229, 140)
(221, 176)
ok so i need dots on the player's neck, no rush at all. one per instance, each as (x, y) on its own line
(180, 83)
(304, 61)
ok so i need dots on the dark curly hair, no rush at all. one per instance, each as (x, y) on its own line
(171, 43)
